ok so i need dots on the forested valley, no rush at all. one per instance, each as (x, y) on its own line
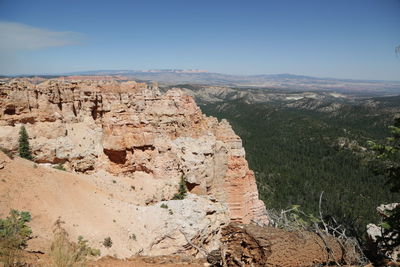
(299, 152)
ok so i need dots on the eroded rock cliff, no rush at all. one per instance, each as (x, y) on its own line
(130, 128)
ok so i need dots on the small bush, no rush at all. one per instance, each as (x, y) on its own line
(389, 240)
(14, 235)
(65, 253)
(133, 237)
(182, 190)
(164, 206)
(60, 167)
(107, 242)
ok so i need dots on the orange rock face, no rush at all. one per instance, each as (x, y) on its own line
(130, 127)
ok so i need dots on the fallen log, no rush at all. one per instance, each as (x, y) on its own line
(252, 245)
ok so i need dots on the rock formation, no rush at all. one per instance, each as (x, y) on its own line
(130, 128)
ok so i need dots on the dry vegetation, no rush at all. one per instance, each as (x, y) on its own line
(65, 253)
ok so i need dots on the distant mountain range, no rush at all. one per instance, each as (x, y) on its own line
(277, 81)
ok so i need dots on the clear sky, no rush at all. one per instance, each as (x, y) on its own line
(325, 38)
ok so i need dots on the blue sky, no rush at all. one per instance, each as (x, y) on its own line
(325, 38)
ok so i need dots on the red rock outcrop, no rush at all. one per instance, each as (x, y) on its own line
(130, 127)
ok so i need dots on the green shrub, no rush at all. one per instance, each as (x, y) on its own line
(60, 167)
(14, 234)
(182, 190)
(107, 242)
(133, 237)
(389, 240)
(386, 161)
(23, 144)
(164, 206)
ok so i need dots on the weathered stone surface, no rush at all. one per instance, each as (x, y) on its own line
(129, 127)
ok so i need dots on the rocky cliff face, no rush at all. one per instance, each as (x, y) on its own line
(131, 128)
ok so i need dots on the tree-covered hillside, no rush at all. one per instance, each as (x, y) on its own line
(297, 153)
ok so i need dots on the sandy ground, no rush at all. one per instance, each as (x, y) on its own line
(149, 261)
(95, 207)
(35, 259)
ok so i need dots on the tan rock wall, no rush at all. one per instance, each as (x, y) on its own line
(127, 127)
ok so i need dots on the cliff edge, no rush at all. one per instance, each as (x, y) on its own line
(146, 140)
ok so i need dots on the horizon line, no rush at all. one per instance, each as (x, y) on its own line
(182, 71)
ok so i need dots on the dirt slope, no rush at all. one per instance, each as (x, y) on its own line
(100, 206)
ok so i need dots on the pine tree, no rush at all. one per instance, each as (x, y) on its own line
(388, 157)
(182, 189)
(24, 148)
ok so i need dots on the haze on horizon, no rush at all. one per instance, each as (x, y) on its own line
(353, 39)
